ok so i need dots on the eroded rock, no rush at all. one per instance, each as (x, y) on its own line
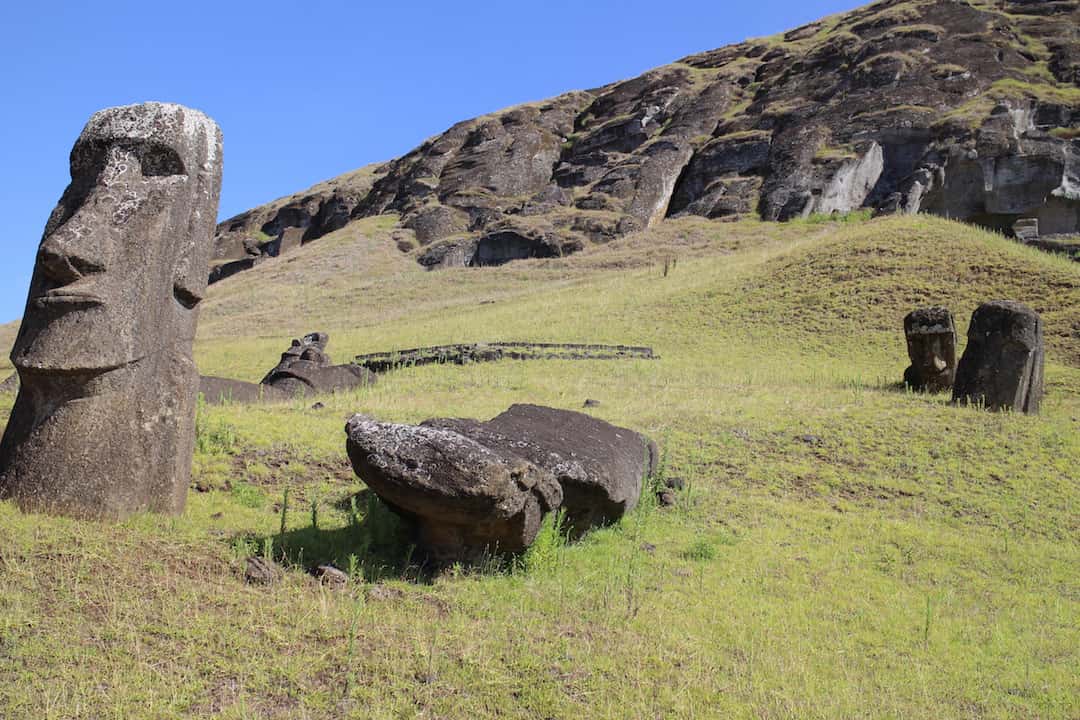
(1002, 366)
(103, 425)
(931, 345)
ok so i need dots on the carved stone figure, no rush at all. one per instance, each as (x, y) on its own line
(103, 424)
(1002, 366)
(306, 369)
(931, 345)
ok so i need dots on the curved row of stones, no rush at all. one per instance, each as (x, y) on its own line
(103, 423)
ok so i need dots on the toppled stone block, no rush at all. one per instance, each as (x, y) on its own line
(931, 345)
(1002, 366)
(104, 423)
(600, 467)
(1026, 230)
(465, 500)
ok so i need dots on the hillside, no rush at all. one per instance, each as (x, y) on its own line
(964, 109)
(843, 548)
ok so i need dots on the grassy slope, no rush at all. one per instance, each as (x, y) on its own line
(911, 560)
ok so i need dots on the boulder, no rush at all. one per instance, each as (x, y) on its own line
(931, 345)
(104, 422)
(465, 500)
(1002, 366)
(600, 467)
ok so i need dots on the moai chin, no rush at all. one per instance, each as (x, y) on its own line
(931, 345)
(104, 422)
(1002, 366)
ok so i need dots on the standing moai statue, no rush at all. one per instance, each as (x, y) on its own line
(1002, 366)
(104, 422)
(931, 346)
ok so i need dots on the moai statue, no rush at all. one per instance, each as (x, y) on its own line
(104, 422)
(931, 345)
(1002, 366)
(306, 369)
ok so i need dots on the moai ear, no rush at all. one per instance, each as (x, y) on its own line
(192, 264)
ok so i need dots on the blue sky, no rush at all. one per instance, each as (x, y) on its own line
(306, 91)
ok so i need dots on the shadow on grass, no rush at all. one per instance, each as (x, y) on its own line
(374, 545)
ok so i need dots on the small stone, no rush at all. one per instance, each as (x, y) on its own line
(810, 440)
(666, 498)
(331, 577)
(317, 406)
(260, 571)
(675, 483)
(384, 593)
(591, 403)
(648, 547)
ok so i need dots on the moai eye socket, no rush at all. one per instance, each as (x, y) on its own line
(159, 161)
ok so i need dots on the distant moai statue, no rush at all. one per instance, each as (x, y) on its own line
(1002, 366)
(104, 422)
(931, 346)
(306, 369)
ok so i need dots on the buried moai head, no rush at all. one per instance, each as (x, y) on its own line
(122, 262)
(307, 353)
(931, 345)
(104, 421)
(305, 369)
(1002, 366)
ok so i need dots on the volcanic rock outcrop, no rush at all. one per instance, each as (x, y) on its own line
(472, 488)
(103, 425)
(1002, 365)
(931, 345)
(965, 109)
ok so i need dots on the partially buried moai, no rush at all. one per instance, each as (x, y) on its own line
(1002, 366)
(104, 422)
(931, 346)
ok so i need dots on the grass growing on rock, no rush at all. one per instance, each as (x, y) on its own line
(842, 548)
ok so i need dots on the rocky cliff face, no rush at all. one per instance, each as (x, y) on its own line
(969, 109)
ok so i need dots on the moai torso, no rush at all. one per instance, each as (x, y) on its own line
(103, 425)
(1002, 366)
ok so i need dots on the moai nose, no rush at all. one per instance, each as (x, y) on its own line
(71, 251)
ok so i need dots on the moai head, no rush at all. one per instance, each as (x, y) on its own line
(103, 425)
(931, 345)
(308, 353)
(1002, 366)
(123, 260)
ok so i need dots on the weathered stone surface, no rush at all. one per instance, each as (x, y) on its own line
(103, 425)
(1026, 230)
(11, 384)
(464, 499)
(1002, 366)
(259, 571)
(600, 467)
(931, 346)
(223, 391)
(306, 369)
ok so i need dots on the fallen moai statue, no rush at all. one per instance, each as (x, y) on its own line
(463, 354)
(104, 422)
(1002, 366)
(306, 369)
(474, 488)
(931, 345)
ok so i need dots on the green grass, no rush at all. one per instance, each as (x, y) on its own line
(911, 559)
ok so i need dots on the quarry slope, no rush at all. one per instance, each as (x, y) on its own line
(842, 548)
(964, 109)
